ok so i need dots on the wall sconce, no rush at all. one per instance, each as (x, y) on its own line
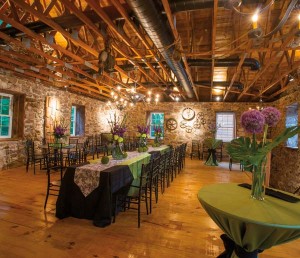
(53, 106)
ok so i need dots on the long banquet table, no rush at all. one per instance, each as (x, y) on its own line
(97, 203)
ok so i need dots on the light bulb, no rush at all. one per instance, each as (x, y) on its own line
(218, 98)
(131, 104)
(254, 20)
(149, 92)
(177, 98)
(119, 88)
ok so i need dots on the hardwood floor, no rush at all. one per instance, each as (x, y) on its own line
(177, 227)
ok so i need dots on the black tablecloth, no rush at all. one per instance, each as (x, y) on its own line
(98, 205)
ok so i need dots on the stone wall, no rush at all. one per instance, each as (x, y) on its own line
(12, 151)
(285, 165)
(140, 113)
(285, 168)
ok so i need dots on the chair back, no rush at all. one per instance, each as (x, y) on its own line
(29, 147)
(145, 176)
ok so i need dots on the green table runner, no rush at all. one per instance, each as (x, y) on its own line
(135, 163)
(251, 224)
(162, 149)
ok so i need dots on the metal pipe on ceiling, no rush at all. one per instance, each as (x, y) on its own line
(252, 63)
(228, 62)
(154, 23)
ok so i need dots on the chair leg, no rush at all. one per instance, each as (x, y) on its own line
(46, 197)
(146, 200)
(139, 212)
(27, 165)
(150, 198)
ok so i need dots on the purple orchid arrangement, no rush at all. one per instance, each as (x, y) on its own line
(143, 129)
(157, 130)
(118, 130)
(59, 131)
(253, 153)
(117, 126)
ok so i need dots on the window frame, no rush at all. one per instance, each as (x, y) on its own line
(152, 125)
(219, 125)
(10, 115)
(73, 133)
(295, 110)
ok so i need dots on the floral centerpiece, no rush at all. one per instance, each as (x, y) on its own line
(157, 135)
(212, 144)
(252, 153)
(143, 131)
(59, 131)
(117, 129)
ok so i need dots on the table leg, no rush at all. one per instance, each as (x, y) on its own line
(212, 158)
(231, 247)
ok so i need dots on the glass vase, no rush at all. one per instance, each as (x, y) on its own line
(117, 151)
(143, 142)
(157, 141)
(258, 181)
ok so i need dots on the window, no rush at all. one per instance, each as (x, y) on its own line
(292, 120)
(77, 122)
(6, 115)
(73, 121)
(226, 126)
(156, 119)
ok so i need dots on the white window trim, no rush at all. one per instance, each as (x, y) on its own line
(74, 121)
(9, 115)
(234, 123)
(150, 119)
(287, 143)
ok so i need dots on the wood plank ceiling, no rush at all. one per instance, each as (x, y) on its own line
(95, 47)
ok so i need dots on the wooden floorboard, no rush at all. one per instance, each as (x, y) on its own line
(177, 227)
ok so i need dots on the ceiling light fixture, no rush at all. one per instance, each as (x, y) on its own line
(254, 20)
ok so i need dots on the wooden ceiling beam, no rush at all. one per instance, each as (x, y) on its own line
(56, 27)
(142, 38)
(57, 47)
(296, 66)
(270, 61)
(213, 44)
(238, 69)
(45, 71)
(13, 10)
(232, 91)
(34, 75)
(125, 39)
(240, 51)
(88, 23)
(49, 57)
(49, 7)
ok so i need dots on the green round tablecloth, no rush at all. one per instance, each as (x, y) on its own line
(250, 223)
